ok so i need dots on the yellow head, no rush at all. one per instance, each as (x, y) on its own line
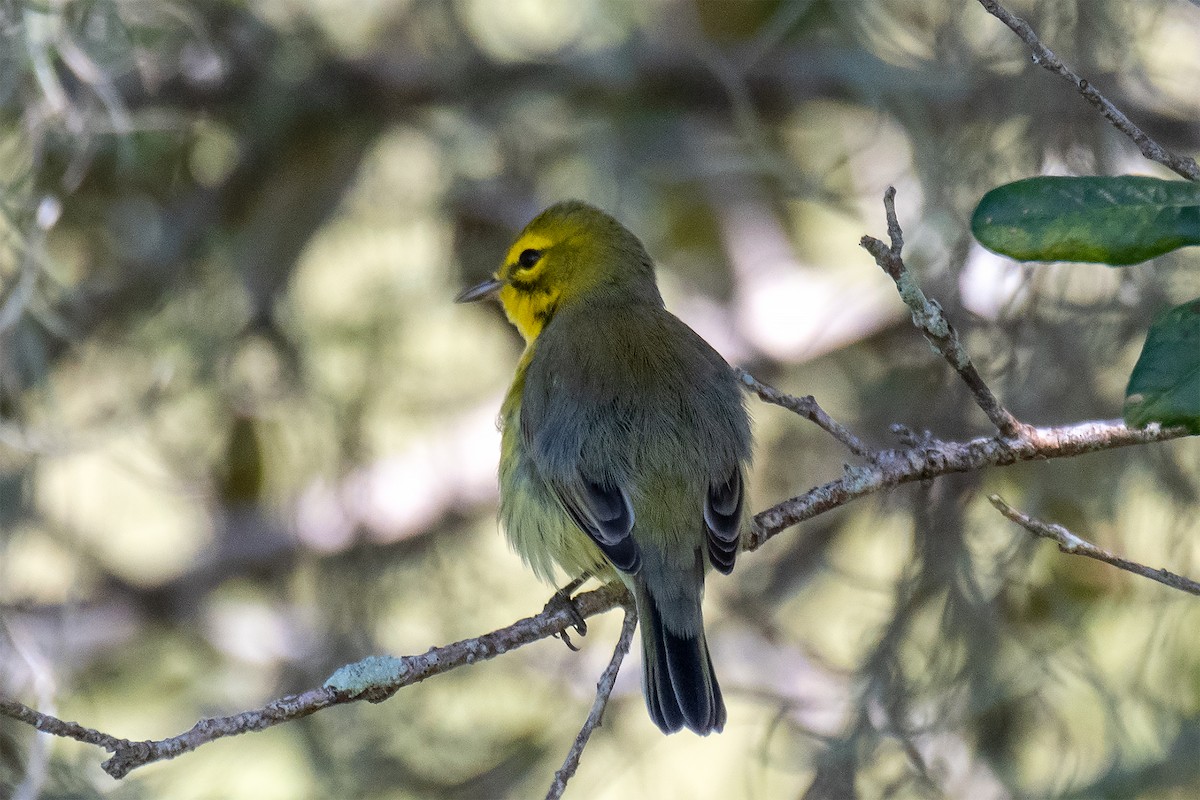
(570, 253)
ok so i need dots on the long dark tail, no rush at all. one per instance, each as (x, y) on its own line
(677, 672)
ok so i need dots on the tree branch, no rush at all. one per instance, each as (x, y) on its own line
(808, 408)
(935, 458)
(1043, 57)
(57, 727)
(374, 679)
(1070, 543)
(604, 688)
(927, 315)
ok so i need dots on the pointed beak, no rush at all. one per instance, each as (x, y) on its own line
(486, 289)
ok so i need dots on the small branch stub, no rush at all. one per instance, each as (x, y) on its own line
(808, 408)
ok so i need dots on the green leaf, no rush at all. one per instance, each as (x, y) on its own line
(1165, 384)
(1111, 220)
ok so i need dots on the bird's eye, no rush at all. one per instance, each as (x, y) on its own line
(528, 258)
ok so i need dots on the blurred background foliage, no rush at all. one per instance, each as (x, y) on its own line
(245, 436)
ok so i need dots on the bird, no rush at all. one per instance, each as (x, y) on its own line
(625, 442)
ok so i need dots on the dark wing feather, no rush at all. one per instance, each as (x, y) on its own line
(604, 513)
(723, 519)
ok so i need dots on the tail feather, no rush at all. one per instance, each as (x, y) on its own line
(718, 704)
(677, 675)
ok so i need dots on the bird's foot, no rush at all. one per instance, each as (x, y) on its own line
(562, 601)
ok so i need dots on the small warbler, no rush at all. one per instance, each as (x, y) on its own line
(625, 442)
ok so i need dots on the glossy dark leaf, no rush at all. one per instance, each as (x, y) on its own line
(1117, 220)
(1165, 384)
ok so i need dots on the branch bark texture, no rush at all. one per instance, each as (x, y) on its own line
(604, 688)
(1068, 542)
(1044, 57)
(935, 458)
(128, 755)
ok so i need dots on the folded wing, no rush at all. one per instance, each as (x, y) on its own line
(605, 514)
(723, 520)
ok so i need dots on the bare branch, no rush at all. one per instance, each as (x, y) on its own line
(1070, 543)
(808, 408)
(935, 458)
(58, 727)
(927, 315)
(1042, 56)
(604, 688)
(378, 679)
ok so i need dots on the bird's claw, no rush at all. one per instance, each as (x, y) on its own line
(561, 601)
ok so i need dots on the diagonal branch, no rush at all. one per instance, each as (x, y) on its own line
(604, 688)
(377, 678)
(927, 315)
(1070, 543)
(1043, 57)
(808, 408)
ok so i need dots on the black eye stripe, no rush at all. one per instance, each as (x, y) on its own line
(528, 258)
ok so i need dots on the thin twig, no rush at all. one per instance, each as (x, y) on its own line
(927, 315)
(934, 458)
(377, 685)
(1042, 56)
(1070, 543)
(41, 681)
(58, 727)
(808, 408)
(604, 688)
